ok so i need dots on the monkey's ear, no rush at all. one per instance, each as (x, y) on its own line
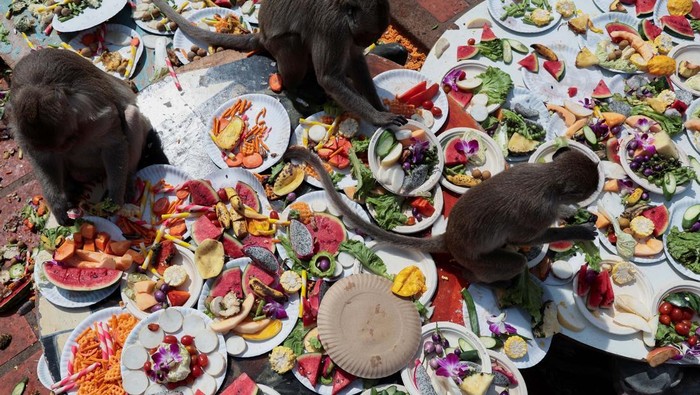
(560, 151)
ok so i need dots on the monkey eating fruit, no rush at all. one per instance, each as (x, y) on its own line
(515, 207)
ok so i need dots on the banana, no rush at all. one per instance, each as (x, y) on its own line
(223, 215)
(260, 289)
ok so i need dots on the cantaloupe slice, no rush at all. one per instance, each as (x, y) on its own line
(568, 117)
(611, 186)
(144, 301)
(602, 222)
(650, 248)
(613, 119)
(146, 286)
(575, 127)
(65, 251)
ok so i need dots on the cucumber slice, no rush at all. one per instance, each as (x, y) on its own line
(19, 388)
(385, 143)
(16, 271)
(464, 344)
(590, 136)
(690, 215)
(471, 355)
(695, 164)
(517, 46)
(489, 342)
(507, 52)
(391, 390)
(669, 185)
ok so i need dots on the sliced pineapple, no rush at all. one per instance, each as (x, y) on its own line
(586, 58)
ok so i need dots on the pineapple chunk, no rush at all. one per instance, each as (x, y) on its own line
(586, 58)
(476, 384)
(664, 145)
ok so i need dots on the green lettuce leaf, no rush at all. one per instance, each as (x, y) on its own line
(496, 84)
(491, 49)
(388, 209)
(363, 175)
(367, 257)
(525, 293)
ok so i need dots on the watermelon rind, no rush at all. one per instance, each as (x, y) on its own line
(328, 239)
(201, 193)
(648, 30)
(248, 196)
(465, 52)
(255, 271)
(678, 26)
(617, 26)
(644, 8)
(659, 216)
(530, 63)
(85, 279)
(601, 91)
(556, 69)
(309, 366)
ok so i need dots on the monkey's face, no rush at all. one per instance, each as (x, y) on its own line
(579, 176)
(47, 137)
(368, 20)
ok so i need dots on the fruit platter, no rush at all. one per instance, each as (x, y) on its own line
(683, 233)
(532, 16)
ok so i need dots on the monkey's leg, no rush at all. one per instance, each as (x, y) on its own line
(292, 59)
(574, 232)
(115, 158)
(359, 74)
(498, 265)
(49, 170)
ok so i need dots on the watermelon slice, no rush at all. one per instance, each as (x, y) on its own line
(328, 230)
(341, 379)
(530, 63)
(583, 286)
(649, 30)
(617, 26)
(561, 246)
(232, 247)
(309, 366)
(609, 295)
(659, 216)
(242, 385)
(695, 12)
(248, 196)
(465, 52)
(462, 98)
(253, 271)
(601, 91)
(452, 156)
(678, 26)
(487, 34)
(557, 68)
(644, 8)
(228, 281)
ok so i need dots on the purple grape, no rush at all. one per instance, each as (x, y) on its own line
(418, 217)
(647, 172)
(645, 196)
(406, 165)
(165, 287)
(445, 342)
(646, 158)
(415, 212)
(156, 307)
(630, 153)
(435, 337)
(159, 295)
(433, 363)
(323, 264)
(658, 168)
(695, 227)
(429, 347)
(632, 145)
(291, 196)
(634, 165)
(438, 349)
(458, 352)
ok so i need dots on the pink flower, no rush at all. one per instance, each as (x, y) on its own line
(451, 366)
(498, 325)
(467, 147)
(166, 357)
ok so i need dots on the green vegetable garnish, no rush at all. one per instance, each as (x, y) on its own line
(525, 293)
(496, 84)
(367, 257)
(684, 247)
(295, 340)
(363, 175)
(671, 125)
(388, 210)
(491, 49)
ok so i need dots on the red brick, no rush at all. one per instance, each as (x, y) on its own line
(444, 10)
(11, 207)
(25, 368)
(22, 336)
(13, 168)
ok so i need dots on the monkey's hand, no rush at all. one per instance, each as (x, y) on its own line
(60, 211)
(583, 232)
(389, 119)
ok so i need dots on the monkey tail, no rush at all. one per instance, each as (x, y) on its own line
(431, 244)
(240, 42)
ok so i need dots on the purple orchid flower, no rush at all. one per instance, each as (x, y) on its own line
(467, 147)
(644, 124)
(419, 147)
(451, 366)
(166, 356)
(274, 310)
(498, 325)
(157, 375)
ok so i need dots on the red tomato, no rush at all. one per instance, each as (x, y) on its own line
(196, 371)
(676, 314)
(191, 349)
(692, 340)
(203, 360)
(274, 215)
(170, 339)
(665, 319)
(471, 41)
(572, 91)
(428, 104)
(437, 112)
(193, 362)
(147, 366)
(687, 323)
(682, 329)
(688, 313)
(665, 308)
(187, 340)
(612, 238)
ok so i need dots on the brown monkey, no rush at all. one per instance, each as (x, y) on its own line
(326, 35)
(515, 207)
(77, 124)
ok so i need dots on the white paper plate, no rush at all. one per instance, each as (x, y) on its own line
(398, 387)
(181, 41)
(145, 24)
(471, 68)
(438, 203)
(533, 101)
(604, 6)
(172, 175)
(693, 137)
(661, 9)
(487, 306)
(322, 197)
(452, 332)
(98, 316)
(397, 258)
(255, 348)
(133, 338)
(230, 177)
(355, 387)
(591, 39)
(43, 373)
(641, 289)
(193, 284)
(546, 150)
(251, 19)
(689, 52)
(123, 49)
(75, 299)
(520, 389)
(395, 82)
(276, 119)
(267, 390)
(624, 161)
(677, 211)
(497, 10)
(495, 162)
(365, 129)
(90, 17)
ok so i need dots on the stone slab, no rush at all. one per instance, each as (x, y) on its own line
(22, 336)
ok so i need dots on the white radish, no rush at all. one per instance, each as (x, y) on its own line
(403, 134)
(134, 356)
(192, 324)
(184, 390)
(632, 321)
(562, 270)
(338, 270)
(332, 210)
(155, 389)
(204, 383)
(216, 364)
(206, 340)
(428, 118)
(493, 107)
(171, 320)
(134, 382)
(469, 84)
(358, 238)
(149, 338)
(479, 112)
(317, 133)
(481, 99)
(235, 345)
(319, 206)
(394, 177)
(346, 260)
(393, 156)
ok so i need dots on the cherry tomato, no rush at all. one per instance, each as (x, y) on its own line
(693, 340)
(170, 339)
(274, 215)
(171, 386)
(437, 112)
(196, 371)
(612, 238)
(428, 104)
(682, 329)
(676, 314)
(203, 360)
(187, 340)
(665, 319)
(193, 362)
(687, 323)
(471, 41)
(665, 308)
(222, 194)
(191, 349)
(688, 313)
(147, 366)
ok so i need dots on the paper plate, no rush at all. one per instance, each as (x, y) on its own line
(255, 348)
(397, 258)
(591, 39)
(398, 387)
(471, 68)
(361, 310)
(452, 332)
(661, 9)
(43, 373)
(124, 49)
(544, 154)
(355, 387)
(145, 25)
(133, 339)
(75, 299)
(689, 52)
(520, 389)
(185, 258)
(438, 203)
(181, 41)
(90, 17)
(532, 101)
(251, 19)
(173, 176)
(641, 290)
(495, 163)
(693, 137)
(677, 211)
(230, 177)
(555, 92)
(604, 6)
(365, 129)
(395, 82)
(624, 161)
(267, 390)
(276, 119)
(497, 10)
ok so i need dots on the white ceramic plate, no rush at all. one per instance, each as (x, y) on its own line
(495, 163)
(124, 48)
(182, 42)
(552, 91)
(438, 203)
(321, 198)
(689, 52)
(90, 17)
(397, 258)
(145, 25)
(255, 348)
(677, 211)
(365, 129)
(591, 39)
(276, 119)
(395, 82)
(661, 9)
(452, 332)
(641, 289)
(385, 386)
(487, 306)
(133, 338)
(693, 137)
(545, 151)
(173, 176)
(497, 10)
(75, 299)
(604, 6)
(519, 389)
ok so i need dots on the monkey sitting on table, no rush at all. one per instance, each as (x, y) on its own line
(515, 207)
(327, 37)
(77, 124)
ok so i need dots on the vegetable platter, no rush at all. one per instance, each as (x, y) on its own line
(89, 17)
(114, 49)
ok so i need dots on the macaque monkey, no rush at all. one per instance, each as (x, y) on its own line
(515, 207)
(326, 36)
(77, 124)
